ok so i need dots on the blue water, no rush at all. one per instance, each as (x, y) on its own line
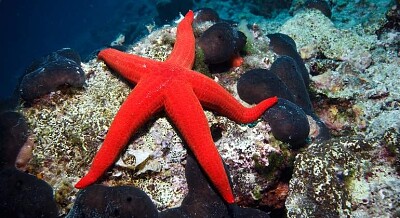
(31, 29)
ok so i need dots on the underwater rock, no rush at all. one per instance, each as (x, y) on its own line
(343, 178)
(119, 201)
(321, 66)
(287, 70)
(259, 84)
(205, 14)
(288, 123)
(203, 201)
(320, 5)
(220, 43)
(69, 54)
(13, 135)
(348, 14)
(52, 72)
(64, 52)
(283, 44)
(125, 201)
(23, 195)
(383, 123)
(322, 132)
(168, 10)
(392, 22)
(283, 80)
(316, 35)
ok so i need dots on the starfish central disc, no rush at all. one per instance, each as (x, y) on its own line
(182, 93)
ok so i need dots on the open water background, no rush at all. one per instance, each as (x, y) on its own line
(31, 29)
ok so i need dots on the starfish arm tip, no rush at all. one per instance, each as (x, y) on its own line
(190, 13)
(84, 182)
(230, 200)
(269, 102)
(107, 52)
(274, 99)
(189, 16)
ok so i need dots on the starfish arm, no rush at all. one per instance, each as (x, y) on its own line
(183, 53)
(134, 112)
(185, 111)
(216, 98)
(131, 67)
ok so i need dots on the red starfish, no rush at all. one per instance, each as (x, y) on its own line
(173, 87)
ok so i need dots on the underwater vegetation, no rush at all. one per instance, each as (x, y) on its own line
(328, 147)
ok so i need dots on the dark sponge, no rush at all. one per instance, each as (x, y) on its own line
(289, 80)
(320, 5)
(119, 201)
(283, 44)
(202, 200)
(69, 54)
(13, 135)
(287, 70)
(23, 195)
(288, 123)
(205, 14)
(220, 43)
(259, 84)
(54, 56)
(50, 73)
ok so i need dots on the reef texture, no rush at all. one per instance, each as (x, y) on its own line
(344, 177)
(368, 14)
(315, 34)
(355, 100)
